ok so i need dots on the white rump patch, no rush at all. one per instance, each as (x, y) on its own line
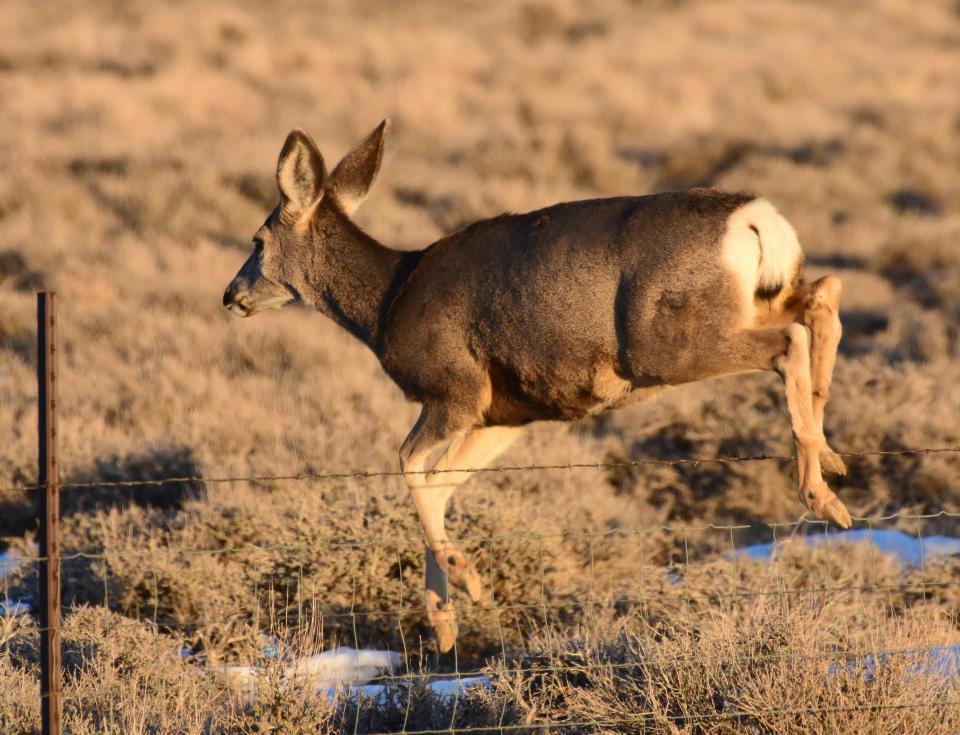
(760, 248)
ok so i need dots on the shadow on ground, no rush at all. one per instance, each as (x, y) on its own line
(140, 477)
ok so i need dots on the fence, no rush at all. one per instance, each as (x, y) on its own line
(531, 649)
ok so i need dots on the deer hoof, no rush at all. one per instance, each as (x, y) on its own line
(822, 501)
(473, 585)
(831, 462)
(837, 512)
(443, 620)
(833, 510)
(462, 574)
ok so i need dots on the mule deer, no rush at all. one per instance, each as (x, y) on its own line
(555, 314)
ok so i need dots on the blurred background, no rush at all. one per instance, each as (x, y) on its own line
(138, 142)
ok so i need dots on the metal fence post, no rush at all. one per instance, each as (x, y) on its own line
(49, 480)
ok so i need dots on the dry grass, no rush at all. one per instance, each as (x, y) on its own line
(136, 145)
(686, 656)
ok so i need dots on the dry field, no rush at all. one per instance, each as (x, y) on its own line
(137, 144)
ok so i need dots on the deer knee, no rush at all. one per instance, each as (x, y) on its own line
(452, 561)
(412, 466)
(796, 346)
(831, 286)
(825, 294)
(798, 338)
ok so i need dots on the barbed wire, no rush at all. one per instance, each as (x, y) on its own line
(418, 541)
(559, 605)
(680, 569)
(374, 474)
(550, 608)
(849, 661)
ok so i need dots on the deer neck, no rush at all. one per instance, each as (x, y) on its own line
(357, 279)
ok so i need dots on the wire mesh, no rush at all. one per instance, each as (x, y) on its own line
(530, 636)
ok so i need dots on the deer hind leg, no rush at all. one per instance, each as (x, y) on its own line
(787, 351)
(821, 313)
(431, 488)
(794, 367)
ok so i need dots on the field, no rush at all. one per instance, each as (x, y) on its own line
(138, 143)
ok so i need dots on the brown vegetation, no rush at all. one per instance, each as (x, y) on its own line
(684, 654)
(137, 143)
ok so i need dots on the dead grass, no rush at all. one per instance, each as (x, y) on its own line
(794, 650)
(136, 146)
(763, 670)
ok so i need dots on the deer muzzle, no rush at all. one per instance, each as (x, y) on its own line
(236, 301)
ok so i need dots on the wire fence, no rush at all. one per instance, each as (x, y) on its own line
(372, 474)
(657, 629)
(530, 633)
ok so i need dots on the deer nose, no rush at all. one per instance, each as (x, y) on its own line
(236, 300)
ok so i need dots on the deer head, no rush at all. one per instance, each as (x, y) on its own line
(290, 246)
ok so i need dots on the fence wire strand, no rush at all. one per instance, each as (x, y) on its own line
(568, 534)
(374, 474)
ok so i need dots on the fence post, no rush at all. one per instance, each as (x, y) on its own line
(49, 479)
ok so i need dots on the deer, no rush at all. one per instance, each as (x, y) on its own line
(552, 315)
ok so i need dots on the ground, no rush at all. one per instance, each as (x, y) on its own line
(137, 147)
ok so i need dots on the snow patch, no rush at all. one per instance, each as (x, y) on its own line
(906, 549)
(347, 671)
(345, 665)
(9, 563)
(940, 662)
(458, 687)
(13, 608)
(331, 669)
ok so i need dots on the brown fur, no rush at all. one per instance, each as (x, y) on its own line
(549, 315)
(533, 303)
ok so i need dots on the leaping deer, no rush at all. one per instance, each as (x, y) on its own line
(552, 315)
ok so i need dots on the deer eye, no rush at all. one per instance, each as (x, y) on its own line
(258, 246)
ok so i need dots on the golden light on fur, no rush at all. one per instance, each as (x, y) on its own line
(554, 314)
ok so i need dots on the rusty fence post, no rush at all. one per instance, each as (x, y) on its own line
(49, 480)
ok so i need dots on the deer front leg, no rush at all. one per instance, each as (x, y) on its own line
(427, 434)
(794, 367)
(431, 489)
(821, 313)
(466, 454)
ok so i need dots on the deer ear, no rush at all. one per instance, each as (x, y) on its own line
(351, 179)
(300, 172)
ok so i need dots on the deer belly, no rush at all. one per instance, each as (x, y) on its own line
(518, 397)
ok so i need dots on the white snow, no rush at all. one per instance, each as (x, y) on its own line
(456, 687)
(328, 670)
(348, 671)
(905, 548)
(10, 562)
(345, 666)
(940, 662)
(445, 688)
(13, 608)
